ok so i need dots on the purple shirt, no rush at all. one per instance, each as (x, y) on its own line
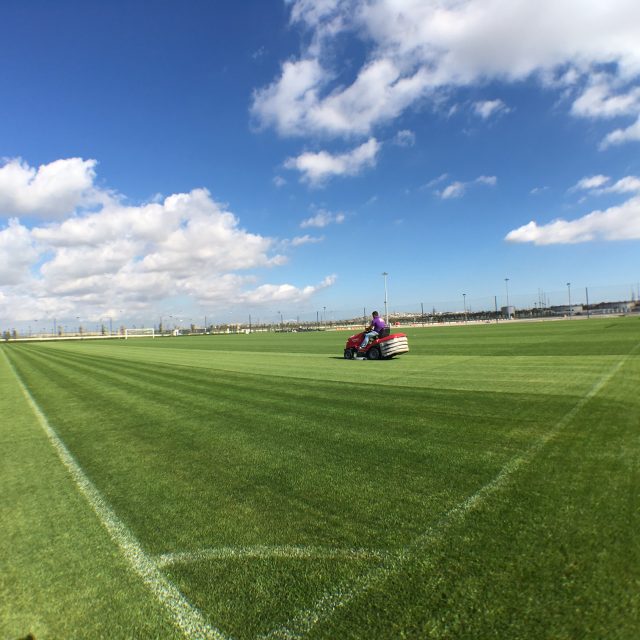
(378, 324)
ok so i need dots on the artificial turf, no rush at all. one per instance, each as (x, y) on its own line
(484, 485)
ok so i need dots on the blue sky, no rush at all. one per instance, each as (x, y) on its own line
(258, 157)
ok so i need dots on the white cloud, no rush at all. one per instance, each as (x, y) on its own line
(413, 48)
(317, 168)
(488, 108)
(435, 181)
(322, 219)
(286, 104)
(405, 138)
(313, 11)
(538, 190)
(590, 182)
(147, 223)
(269, 293)
(596, 185)
(305, 239)
(598, 100)
(380, 93)
(279, 181)
(620, 136)
(628, 184)
(454, 190)
(17, 253)
(52, 190)
(457, 189)
(616, 223)
(119, 257)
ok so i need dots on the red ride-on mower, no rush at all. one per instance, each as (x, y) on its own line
(385, 346)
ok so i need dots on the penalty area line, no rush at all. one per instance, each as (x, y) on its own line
(263, 551)
(348, 590)
(185, 616)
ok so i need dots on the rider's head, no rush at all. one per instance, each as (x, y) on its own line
(375, 314)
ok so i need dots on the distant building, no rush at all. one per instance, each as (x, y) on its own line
(613, 307)
(565, 309)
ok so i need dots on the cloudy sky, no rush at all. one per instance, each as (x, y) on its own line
(261, 157)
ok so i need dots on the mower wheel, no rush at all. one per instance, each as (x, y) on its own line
(374, 353)
(349, 354)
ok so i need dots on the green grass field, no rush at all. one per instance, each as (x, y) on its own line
(485, 485)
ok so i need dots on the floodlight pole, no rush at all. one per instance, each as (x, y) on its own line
(506, 284)
(386, 308)
(464, 306)
(569, 290)
(586, 290)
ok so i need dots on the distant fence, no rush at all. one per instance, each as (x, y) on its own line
(574, 300)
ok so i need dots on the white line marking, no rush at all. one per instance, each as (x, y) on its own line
(185, 616)
(262, 551)
(348, 590)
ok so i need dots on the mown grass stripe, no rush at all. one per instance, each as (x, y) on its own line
(263, 551)
(509, 374)
(185, 616)
(302, 624)
(187, 389)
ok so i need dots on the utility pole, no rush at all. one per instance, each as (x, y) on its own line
(386, 309)
(569, 290)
